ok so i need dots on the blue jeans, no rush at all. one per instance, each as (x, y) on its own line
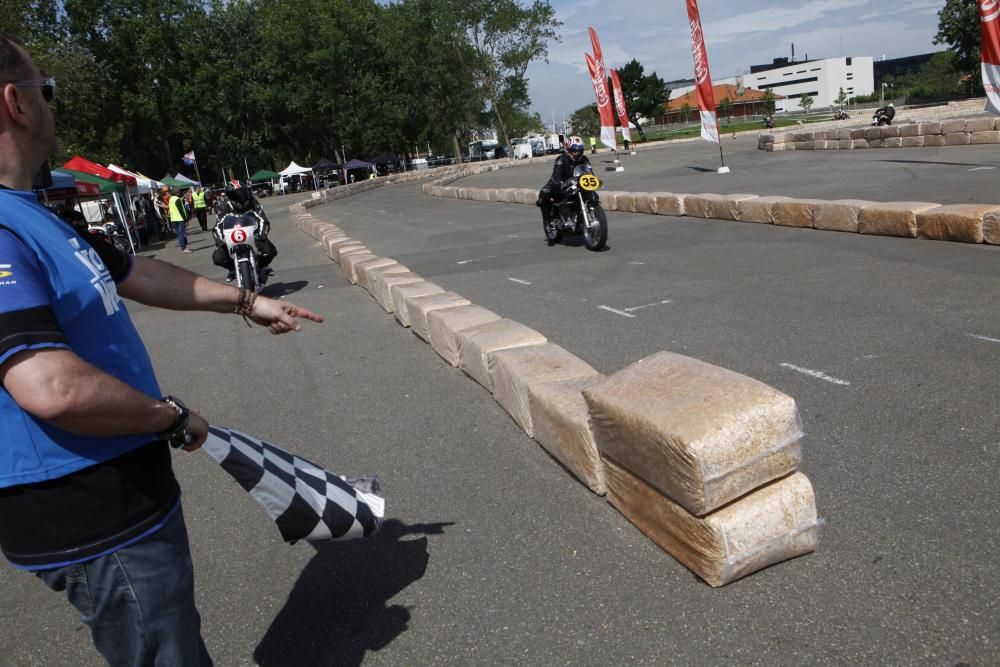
(181, 229)
(139, 601)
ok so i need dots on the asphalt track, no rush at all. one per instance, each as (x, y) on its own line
(494, 554)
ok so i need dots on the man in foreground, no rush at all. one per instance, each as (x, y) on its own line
(88, 498)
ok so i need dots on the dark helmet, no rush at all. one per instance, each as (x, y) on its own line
(241, 199)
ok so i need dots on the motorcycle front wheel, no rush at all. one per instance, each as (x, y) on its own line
(595, 235)
(244, 275)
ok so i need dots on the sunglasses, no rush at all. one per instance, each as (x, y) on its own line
(48, 87)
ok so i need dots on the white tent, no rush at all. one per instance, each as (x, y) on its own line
(143, 184)
(296, 170)
(292, 169)
(184, 179)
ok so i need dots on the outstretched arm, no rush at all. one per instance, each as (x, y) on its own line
(156, 283)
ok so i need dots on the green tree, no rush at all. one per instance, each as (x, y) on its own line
(644, 94)
(507, 37)
(726, 107)
(841, 98)
(959, 28)
(768, 101)
(806, 102)
(586, 121)
(686, 112)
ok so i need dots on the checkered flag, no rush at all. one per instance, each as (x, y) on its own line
(306, 501)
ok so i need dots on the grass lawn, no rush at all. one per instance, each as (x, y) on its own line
(726, 128)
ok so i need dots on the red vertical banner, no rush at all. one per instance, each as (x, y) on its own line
(599, 75)
(702, 76)
(603, 104)
(616, 86)
(989, 19)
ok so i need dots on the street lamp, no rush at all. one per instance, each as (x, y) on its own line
(884, 84)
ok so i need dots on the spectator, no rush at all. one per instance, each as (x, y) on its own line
(88, 498)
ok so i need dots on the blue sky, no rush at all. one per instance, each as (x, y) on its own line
(738, 34)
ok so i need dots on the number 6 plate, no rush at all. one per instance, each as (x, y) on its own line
(589, 182)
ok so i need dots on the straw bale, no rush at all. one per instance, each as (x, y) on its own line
(478, 344)
(384, 282)
(991, 228)
(795, 212)
(701, 434)
(515, 370)
(349, 264)
(444, 326)
(758, 210)
(909, 130)
(841, 215)
(957, 139)
(419, 307)
(933, 140)
(990, 137)
(973, 125)
(361, 270)
(929, 129)
(892, 218)
(952, 126)
(400, 293)
(913, 142)
(668, 203)
(775, 523)
(958, 222)
(561, 423)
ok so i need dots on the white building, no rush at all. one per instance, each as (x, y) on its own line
(820, 79)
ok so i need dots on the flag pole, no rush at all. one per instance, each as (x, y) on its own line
(196, 172)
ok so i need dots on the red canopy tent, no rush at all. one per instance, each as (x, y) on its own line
(86, 166)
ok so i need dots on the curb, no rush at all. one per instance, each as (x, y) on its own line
(953, 132)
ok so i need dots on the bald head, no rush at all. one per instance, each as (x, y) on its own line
(27, 132)
(13, 65)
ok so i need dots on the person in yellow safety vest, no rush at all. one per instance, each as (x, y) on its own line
(178, 221)
(200, 208)
(593, 145)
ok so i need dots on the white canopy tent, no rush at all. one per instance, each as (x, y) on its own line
(143, 184)
(297, 170)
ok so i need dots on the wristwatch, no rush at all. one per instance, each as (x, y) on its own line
(176, 434)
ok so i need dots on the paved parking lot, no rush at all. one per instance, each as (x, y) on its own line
(495, 555)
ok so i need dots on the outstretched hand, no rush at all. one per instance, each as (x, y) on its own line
(280, 316)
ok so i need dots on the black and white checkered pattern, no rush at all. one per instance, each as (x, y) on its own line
(306, 501)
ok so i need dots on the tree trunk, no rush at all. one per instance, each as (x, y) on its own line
(457, 146)
(500, 123)
(638, 126)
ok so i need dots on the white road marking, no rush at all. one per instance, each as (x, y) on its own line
(638, 263)
(518, 280)
(478, 259)
(986, 338)
(648, 305)
(816, 374)
(513, 236)
(616, 311)
(983, 169)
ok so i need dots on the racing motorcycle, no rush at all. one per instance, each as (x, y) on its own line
(880, 119)
(840, 114)
(240, 234)
(579, 211)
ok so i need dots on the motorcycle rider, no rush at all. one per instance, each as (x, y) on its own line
(888, 112)
(240, 201)
(562, 170)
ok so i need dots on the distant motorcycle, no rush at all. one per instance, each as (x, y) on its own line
(768, 122)
(840, 114)
(880, 119)
(579, 211)
(240, 234)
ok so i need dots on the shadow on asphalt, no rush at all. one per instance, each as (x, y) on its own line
(339, 608)
(948, 164)
(704, 170)
(277, 290)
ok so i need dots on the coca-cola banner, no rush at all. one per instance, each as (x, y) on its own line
(600, 82)
(616, 86)
(702, 77)
(989, 17)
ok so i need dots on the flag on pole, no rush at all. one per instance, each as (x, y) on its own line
(702, 76)
(599, 76)
(189, 158)
(989, 18)
(304, 500)
(616, 86)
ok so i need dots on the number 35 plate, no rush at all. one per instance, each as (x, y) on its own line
(589, 182)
